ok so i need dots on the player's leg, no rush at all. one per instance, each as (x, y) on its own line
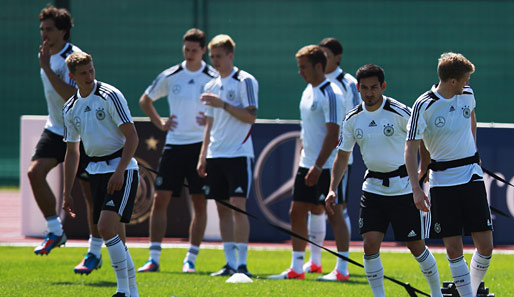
(50, 151)
(481, 257)
(427, 264)
(317, 229)
(241, 234)
(372, 262)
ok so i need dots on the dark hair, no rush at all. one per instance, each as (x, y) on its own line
(333, 45)
(61, 17)
(314, 54)
(370, 70)
(195, 35)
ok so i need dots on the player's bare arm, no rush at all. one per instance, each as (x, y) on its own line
(148, 108)
(131, 143)
(329, 143)
(411, 162)
(247, 115)
(62, 88)
(205, 144)
(71, 163)
(338, 169)
(424, 155)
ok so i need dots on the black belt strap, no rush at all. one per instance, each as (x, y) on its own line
(385, 176)
(443, 165)
(107, 158)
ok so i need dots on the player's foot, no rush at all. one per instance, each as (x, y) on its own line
(119, 294)
(88, 264)
(224, 271)
(311, 267)
(51, 241)
(288, 274)
(334, 276)
(243, 269)
(150, 266)
(188, 267)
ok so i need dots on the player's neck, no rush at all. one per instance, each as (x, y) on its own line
(57, 47)
(86, 91)
(330, 68)
(193, 66)
(318, 80)
(445, 90)
(226, 71)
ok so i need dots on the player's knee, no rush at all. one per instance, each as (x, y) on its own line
(107, 231)
(485, 250)
(160, 202)
(35, 173)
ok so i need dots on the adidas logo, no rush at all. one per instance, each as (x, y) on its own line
(411, 234)
(322, 197)
(110, 203)
(372, 124)
(239, 190)
(191, 82)
(87, 109)
(452, 108)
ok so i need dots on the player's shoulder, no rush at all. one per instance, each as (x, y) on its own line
(210, 71)
(349, 79)
(106, 91)
(173, 70)
(329, 87)
(467, 91)
(396, 107)
(241, 75)
(68, 105)
(69, 49)
(354, 112)
(425, 100)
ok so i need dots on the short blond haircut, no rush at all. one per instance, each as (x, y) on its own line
(224, 41)
(76, 59)
(453, 65)
(314, 54)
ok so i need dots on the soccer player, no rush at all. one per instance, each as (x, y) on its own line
(444, 119)
(227, 149)
(182, 84)
(98, 114)
(55, 27)
(322, 111)
(317, 227)
(379, 126)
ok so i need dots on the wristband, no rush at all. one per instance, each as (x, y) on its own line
(318, 168)
(225, 105)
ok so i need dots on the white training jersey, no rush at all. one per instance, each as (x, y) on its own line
(381, 137)
(319, 105)
(54, 101)
(95, 119)
(231, 137)
(444, 125)
(352, 82)
(338, 77)
(183, 88)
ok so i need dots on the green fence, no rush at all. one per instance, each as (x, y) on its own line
(133, 40)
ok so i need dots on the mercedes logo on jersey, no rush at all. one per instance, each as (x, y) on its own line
(175, 89)
(388, 130)
(439, 121)
(267, 201)
(359, 133)
(466, 112)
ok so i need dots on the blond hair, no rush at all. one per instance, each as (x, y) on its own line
(453, 65)
(76, 59)
(224, 41)
(314, 54)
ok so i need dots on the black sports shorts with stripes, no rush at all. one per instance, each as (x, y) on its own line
(228, 177)
(315, 194)
(51, 145)
(121, 202)
(377, 211)
(178, 162)
(460, 209)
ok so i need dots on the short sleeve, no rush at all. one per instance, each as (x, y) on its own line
(417, 123)
(71, 133)
(331, 110)
(249, 92)
(118, 109)
(346, 138)
(159, 87)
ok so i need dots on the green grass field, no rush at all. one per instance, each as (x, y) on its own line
(24, 274)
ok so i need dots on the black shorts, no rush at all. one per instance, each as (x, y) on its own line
(121, 202)
(228, 177)
(377, 211)
(317, 193)
(51, 145)
(342, 190)
(458, 209)
(178, 162)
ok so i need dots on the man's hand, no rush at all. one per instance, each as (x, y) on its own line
(44, 55)
(330, 202)
(115, 182)
(201, 119)
(421, 200)
(170, 124)
(213, 100)
(312, 177)
(201, 167)
(67, 205)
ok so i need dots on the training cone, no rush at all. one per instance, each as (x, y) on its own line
(239, 278)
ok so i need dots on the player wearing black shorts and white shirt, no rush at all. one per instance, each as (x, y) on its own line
(98, 114)
(58, 87)
(322, 109)
(444, 119)
(379, 126)
(183, 85)
(227, 151)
